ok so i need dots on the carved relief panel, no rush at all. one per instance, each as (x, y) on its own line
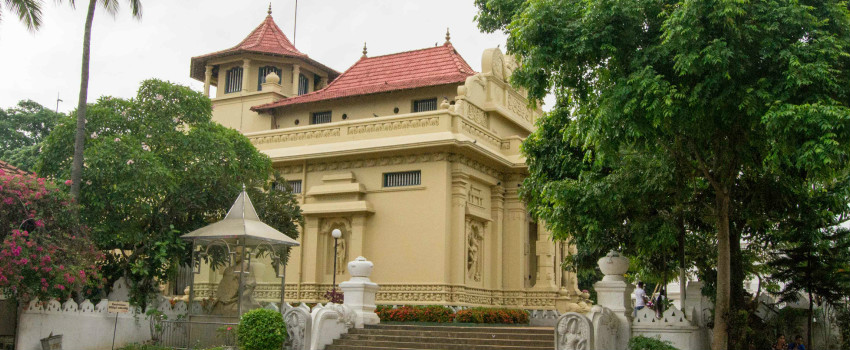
(474, 249)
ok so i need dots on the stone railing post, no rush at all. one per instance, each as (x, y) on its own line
(614, 292)
(360, 291)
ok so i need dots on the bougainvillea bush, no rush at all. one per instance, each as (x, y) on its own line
(45, 251)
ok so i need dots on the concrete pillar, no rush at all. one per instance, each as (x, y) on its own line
(615, 293)
(296, 71)
(207, 80)
(359, 292)
(246, 75)
(457, 235)
(311, 244)
(545, 260)
(513, 241)
(497, 204)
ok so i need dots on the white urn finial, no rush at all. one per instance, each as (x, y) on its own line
(614, 265)
(273, 78)
(360, 267)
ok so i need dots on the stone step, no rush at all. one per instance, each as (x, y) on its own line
(516, 341)
(469, 329)
(446, 334)
(365, 344)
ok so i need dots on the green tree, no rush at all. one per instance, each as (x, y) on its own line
(22, 129)
(157, 167)
(82, 103)
(28, 11)
(734, 89)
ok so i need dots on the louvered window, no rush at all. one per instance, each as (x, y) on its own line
(405, 178)
(425, 105)
(264, 71)
(303, 84)
(295, 185)
(320, 117)
(233, 80)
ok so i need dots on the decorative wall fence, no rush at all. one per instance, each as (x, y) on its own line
(613, 322)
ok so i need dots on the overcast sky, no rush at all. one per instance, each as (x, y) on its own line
(125, 51)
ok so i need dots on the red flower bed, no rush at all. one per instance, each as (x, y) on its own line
(492, 315)
(440, 314)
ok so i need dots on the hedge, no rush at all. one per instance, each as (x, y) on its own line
(442, 314)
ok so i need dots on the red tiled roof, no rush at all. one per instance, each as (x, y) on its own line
(10, 169)
(433, 66)
(266, 39)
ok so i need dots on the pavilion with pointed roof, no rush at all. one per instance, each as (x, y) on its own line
(414, 156)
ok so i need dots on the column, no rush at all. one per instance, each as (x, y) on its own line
(457, 236)
(545, 259)
(296, 70)
(246, 68)
(497, 203)
(207, 80)
(311, 250)
(513, 241)
(355, 241)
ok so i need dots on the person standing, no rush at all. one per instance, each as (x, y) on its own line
(780, 343)
(797, 344)
(640, 297)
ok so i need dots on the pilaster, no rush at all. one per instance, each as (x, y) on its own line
(460, 193)
(513, 241)
(207, 80)
(545, 260)
(497, 204)
(311, 249)
(246, 75)
(296, 71)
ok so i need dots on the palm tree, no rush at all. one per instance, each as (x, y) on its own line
(28, 11)
(79, 138)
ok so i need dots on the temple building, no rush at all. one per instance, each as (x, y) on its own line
(414, 156)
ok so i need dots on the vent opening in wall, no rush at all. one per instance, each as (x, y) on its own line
(344, 116)
(320, 117)
(425, 105)
(404, 178)
(297, 121)
(395, 110)
(293, 185)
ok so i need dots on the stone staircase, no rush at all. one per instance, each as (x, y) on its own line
(445, 338)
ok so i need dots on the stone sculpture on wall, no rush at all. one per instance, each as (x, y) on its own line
(474, 243)
(573, 332)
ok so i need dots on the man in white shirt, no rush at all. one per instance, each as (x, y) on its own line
(640, 297)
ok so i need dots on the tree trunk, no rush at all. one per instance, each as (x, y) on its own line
(809, 322)
(80, 134)
(721, 306)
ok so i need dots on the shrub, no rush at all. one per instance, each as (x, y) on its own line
(645, 343)
(492, 315)
(261, 329)
(433, 313)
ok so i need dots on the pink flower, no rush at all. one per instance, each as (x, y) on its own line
(82, 274)
(68, 182)
(39, 223)
(130, 161)
(117, 139)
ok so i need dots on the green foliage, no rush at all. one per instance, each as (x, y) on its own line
(22, 129)
(261, 329)
(157, 167)
(697, 121)
(842, 320)
(644, 343)
(45, 251)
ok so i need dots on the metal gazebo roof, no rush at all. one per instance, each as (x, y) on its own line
(241, 224)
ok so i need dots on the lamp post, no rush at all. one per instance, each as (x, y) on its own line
(336, 233)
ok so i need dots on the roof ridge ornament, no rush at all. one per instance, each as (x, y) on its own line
(270, 8)
(448, 37)
(364, 50)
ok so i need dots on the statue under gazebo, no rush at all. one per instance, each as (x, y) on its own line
(236, 241)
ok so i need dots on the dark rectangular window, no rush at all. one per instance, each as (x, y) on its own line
(233, 80)
(320, 117)
(294, 185)
(263, 72)
(425, 105)
(404, 178)
(303, 84)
